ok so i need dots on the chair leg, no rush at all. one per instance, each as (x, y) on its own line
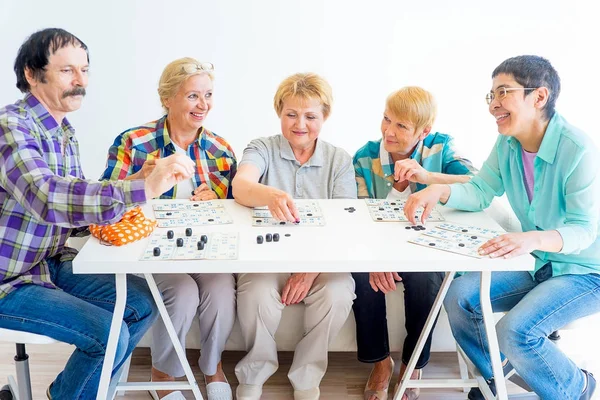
(464, 370)
(23, 377)
(124, 374)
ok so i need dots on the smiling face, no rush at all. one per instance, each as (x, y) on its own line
(190, 105)
(301, 121)
(400, 136)
(517, 111)
(63, 85)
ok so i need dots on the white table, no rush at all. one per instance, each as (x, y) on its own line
(350, 242)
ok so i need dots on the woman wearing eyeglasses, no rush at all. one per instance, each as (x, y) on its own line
(550, 172)
(273, 172)
(407, 158)
(185, 90)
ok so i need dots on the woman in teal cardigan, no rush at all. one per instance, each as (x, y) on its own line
(549, 171)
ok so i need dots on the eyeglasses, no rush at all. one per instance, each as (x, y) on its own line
(501, 93)
(191, 68)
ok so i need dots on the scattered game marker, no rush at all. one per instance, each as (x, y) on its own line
(461, 245)
(259, 239)
(276, 237)
(473, 237)
(268, 237)
(204, 238)
(169, 213)
(288, 234)
(188, 231)
(156, 251)
(432, 244)
(179, 242)
(407, 227)
(200, 245)
(170, 234)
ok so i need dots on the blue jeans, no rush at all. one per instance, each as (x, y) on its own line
(80, 314)
(534, 310)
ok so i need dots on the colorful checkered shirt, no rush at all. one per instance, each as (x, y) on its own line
(43, 194)
(374, 168)
(214, 158)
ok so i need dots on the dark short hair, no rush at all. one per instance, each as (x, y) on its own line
(36, 50)
(533, 72)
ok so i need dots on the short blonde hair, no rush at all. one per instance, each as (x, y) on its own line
(413, 104)
(304, 86)
(175, 74)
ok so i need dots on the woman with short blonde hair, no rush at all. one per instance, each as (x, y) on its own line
(274, 171)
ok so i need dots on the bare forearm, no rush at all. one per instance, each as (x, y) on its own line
(446, 179)
(549, 241)
(250, 194)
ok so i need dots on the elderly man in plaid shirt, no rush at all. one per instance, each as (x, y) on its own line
(43, 196)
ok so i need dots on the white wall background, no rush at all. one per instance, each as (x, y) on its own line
(366, 49)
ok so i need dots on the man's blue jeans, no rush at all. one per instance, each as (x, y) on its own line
(80, 314)
(535, 310)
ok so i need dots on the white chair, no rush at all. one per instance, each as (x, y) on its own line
(20, 389)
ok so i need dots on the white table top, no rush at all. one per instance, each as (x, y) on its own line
(350, 242)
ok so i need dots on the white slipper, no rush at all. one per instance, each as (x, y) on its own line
(219, 391)
(177, 395)
(248, 392)
(310, 394)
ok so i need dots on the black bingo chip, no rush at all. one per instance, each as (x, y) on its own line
(282, 223)
(288, 234)
(170, 234)
(196, 205)
(309, 215)
(169, 213)
(432, 244)
(276, 237)
(381, 208)
(407, 227)
(473, 237)
(259, 221)
(259, 239)
(204, 238)
(268, 237)
(188, 231)
(179, 242)
(379, 219)
(461, 245)
(156, 251)
(465, 230)
(210, 220)
(200, 245)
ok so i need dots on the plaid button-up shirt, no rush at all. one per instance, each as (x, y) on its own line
(214, 158)
(374, 167)
(43, 194)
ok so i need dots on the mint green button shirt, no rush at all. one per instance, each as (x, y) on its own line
(566, 193)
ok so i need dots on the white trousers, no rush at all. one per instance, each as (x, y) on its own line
(328, 304)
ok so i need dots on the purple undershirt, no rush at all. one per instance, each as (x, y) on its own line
(528, 172)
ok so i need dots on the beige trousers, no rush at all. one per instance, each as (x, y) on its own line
(259, 305)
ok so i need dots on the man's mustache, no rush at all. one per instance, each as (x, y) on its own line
(78, 91)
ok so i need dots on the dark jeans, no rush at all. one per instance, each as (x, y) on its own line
(420, 291)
